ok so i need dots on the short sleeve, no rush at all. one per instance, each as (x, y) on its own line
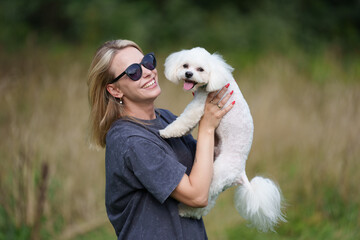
(157, 170)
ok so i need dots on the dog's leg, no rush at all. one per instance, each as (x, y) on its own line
(188, 119)
(225, 174)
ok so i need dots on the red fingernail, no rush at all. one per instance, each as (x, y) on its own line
(227, 85)
(193, 93)
(231, 92)
(233, 103)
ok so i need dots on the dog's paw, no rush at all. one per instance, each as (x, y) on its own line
(171, 132)
(164, 134)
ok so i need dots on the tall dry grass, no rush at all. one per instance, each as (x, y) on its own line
(307, 136)
(44, 114)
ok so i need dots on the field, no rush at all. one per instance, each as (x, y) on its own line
(307, 137)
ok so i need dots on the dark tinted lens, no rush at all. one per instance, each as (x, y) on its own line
(134, 72)
(149, 61)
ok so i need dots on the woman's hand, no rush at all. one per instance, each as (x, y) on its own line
(214, 108)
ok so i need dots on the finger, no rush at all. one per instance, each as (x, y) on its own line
(227, 109)
(222, 92)
(214, 97)
(211, 96)
(225, 99)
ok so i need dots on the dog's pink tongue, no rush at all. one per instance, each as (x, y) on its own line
(188, 85)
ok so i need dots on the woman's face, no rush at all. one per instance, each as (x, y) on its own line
(134, 93)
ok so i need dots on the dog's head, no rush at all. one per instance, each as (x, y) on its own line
(197, 68)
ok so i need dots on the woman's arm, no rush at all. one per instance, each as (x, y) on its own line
(193, 190)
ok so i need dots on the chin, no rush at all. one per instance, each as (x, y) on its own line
(155, 92)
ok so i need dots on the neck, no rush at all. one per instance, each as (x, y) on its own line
(145, 111)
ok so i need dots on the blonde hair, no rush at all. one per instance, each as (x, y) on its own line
(104, 107)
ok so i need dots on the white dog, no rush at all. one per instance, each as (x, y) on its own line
(258, 201)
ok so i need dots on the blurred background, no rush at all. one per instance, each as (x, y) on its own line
(296, 62)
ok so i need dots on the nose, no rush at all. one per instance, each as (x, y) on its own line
(188, 74)
(146, 72)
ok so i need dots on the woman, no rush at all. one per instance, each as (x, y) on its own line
(147, 176)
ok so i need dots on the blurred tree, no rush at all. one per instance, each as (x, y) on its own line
(329, 21)
(254, 24)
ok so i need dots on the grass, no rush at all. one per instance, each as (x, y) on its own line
(307, 136)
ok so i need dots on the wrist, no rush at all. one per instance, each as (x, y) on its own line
(203, 128)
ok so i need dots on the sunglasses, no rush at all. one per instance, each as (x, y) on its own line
(134, 71)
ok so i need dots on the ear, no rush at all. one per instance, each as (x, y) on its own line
(114, 91)
(220, 73)
(172, 63)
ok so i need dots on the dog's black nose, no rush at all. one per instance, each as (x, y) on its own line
(188, 74)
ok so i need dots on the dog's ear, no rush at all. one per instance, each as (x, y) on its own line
(220, 73)
(172, 63)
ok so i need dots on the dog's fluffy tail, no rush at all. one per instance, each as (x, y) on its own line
(259, 202)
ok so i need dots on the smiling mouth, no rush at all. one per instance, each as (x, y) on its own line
(149, 84)
(189, 84)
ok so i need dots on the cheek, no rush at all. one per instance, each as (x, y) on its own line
(204, 76)
(126, 86)
(180, 73)
(156, 74)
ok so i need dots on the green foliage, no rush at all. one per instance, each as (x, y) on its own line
(336, 219)
(248, 26)
(103, 233)
(9, 230)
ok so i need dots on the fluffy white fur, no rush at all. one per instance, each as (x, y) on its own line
(258, 201)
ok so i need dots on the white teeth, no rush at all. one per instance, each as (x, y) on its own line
(149, 84)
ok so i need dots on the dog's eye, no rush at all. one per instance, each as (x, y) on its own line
(200, 69)
(185, 65)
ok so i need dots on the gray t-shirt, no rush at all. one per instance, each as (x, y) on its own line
(142, 170)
